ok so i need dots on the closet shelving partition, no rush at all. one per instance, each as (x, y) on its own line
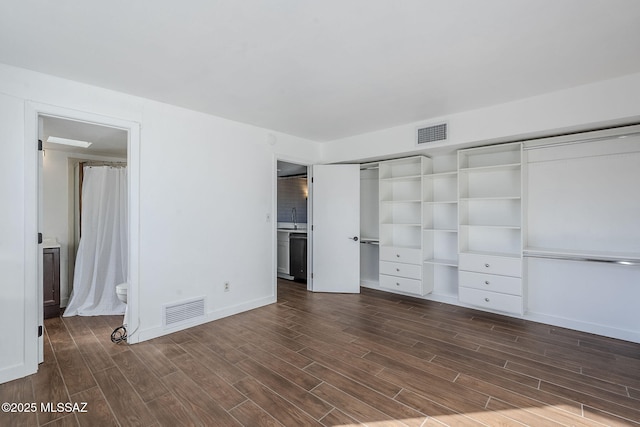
(400, 195)
(490, 227)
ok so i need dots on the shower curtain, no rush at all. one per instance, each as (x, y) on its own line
(102, 258)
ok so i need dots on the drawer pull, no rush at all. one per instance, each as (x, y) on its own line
(397, 269)
(397, 284)
(487, 265)
(398, 255)
(486, 299)
(486, 282)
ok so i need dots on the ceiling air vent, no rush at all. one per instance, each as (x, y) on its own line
(432, 133)
(176, 314)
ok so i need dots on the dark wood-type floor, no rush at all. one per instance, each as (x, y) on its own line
(374, 359)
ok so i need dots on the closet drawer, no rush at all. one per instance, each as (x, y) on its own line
(405, 255)
(506, 266)
(490, 300)
(402, 284)
(411, 271)
(491, 282)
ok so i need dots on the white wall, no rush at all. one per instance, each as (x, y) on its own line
(57, 200)
(13, 280)
(601, 104)
(206, 186)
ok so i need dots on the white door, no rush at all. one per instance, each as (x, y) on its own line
(336, 228)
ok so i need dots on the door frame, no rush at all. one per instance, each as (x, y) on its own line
(274, 217)
(32, 273)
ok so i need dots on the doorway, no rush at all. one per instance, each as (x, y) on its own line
(293, 217)
(35, 117)
(62, 204)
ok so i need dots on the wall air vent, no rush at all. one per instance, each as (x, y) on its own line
(432, 133)
(183, 312)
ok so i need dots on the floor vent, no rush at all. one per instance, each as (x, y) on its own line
(183, 312)
(432, 133)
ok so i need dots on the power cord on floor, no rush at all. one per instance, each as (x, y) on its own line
(119, 335)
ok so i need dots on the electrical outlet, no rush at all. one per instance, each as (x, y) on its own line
(226, 286)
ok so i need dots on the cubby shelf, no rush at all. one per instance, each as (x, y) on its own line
(440, 224)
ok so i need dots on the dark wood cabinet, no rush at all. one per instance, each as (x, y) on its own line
(51, 282)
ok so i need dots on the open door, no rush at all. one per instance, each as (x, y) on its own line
(336, 228)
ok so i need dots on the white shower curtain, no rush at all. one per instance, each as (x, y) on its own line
(102, 259)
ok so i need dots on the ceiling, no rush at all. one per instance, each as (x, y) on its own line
(328, 69)
(105, 141)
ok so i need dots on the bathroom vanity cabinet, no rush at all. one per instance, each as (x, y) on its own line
(51, 281)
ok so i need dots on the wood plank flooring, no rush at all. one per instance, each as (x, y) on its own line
(373, 359)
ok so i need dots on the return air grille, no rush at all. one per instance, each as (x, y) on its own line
(179, 313)
(433, 133)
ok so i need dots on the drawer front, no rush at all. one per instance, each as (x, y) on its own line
(405, 255)
(491, 300)
(410, 271)
(491, 282)
(491, 264)
(402, 284)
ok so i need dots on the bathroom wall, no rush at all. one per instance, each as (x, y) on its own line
(292, 193)
(58, 215)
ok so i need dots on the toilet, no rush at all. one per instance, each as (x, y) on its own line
(121, 291)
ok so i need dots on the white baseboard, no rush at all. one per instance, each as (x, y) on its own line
(592, 328)
(159, 331)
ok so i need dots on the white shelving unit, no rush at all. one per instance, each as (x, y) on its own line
(490, 227)
(440, 226)
(400, 192)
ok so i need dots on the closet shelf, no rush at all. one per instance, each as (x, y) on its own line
(451, 174)
(402, 178)
(492, 168)
(504, 227)
(447, 262)
(488, 199)
(441, 202)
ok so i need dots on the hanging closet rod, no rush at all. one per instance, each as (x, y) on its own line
(103, 163)
(533, 146)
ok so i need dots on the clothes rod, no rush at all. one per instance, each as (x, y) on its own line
(626, 262)
(370, 242)
(533, 145)
(96, 164)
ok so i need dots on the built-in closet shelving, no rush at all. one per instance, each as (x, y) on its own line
(400, 215)
(490, 227)
(440, 225)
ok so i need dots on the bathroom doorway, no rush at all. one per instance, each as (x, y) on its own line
(293, 219)
(65, 165)
(38, 118)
